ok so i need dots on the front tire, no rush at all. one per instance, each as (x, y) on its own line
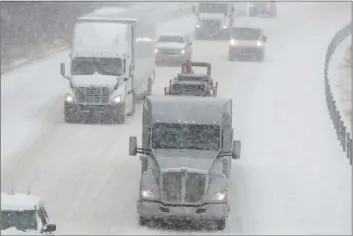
(143, 221)
(220, 225)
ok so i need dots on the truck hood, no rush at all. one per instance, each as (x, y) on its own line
(211, 16)
(193, 159)
(172, 45)
(94, 80)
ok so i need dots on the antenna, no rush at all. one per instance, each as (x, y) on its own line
(29, 189)
(12, 190)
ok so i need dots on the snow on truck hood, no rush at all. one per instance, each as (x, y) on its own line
(95, 80)
(211, 16)
(193, 159)
(173, 45)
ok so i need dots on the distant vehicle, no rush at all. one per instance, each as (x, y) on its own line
(24, 214)
(213, 20)
(266, 9)
(247, 42)
(112, 63)
(173, 48)
(193, 84)
(187, 151)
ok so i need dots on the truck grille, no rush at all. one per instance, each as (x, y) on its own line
(187, 89)
(211, 24)
(92, 95)
(194, 186)
(171, 190)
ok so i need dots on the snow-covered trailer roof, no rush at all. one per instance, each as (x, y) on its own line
(17, 202)
(187, 109)
(98, 35)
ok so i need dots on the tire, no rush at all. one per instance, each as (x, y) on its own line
(120, 118)
(133, 109)
(144, 166)
(220, 224)
(230, 57)
(143, 221)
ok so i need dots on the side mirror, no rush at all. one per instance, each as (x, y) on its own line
(190, 43)
(193, 9)
(126, 79)
(236, 149)
(264, 38)
(132, 146)
(232, 10)
(62, 69)
(50, 228)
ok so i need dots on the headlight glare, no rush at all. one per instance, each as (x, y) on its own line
(220, 196)
(156, 50)
(259, 43)
(232, 42)
(69, 98)
(182, 51)
(148, 194)
(117, 99)
(197, 26)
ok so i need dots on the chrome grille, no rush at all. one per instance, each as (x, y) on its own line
(171, 186)
(195, 187)
(174, 191)
(92, 95)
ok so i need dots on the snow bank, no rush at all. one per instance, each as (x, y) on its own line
(340, 79)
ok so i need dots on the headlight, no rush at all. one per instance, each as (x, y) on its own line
(147, 194)
(220, 196)
(251, 5)
(259, 43)
(69, 98)
(268, 6)
(117, 99)
(197, 26)
(156, 50)
(225, 27)
(232, 42)
(182, 51)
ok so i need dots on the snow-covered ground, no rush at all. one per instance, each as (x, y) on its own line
(292, 178)
(340, 78)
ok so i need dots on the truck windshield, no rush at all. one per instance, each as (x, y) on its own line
(246, 33)
(171, 39)
(185, 136)
(22, 220)
(212, 8)
(90, 65)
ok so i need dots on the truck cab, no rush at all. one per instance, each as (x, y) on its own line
(101, 75)
(185, 140)
(213, 19)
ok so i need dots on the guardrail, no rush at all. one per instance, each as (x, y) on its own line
(344, 135)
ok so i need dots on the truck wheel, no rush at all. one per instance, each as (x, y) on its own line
(220, 224)
(143, 221)
(133, 105)
(144, 166)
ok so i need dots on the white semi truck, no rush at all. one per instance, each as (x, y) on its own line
(112, 64)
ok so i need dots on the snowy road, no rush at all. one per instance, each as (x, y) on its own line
(292, 178)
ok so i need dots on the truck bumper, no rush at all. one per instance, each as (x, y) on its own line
(246, 52)
(159, 211)
(79, 113)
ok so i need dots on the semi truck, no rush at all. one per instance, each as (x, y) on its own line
(112, 64)
(186, 154)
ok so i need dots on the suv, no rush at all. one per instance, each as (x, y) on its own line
(24, 213)
(173, 48)
(247, 42)
(268, 9)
